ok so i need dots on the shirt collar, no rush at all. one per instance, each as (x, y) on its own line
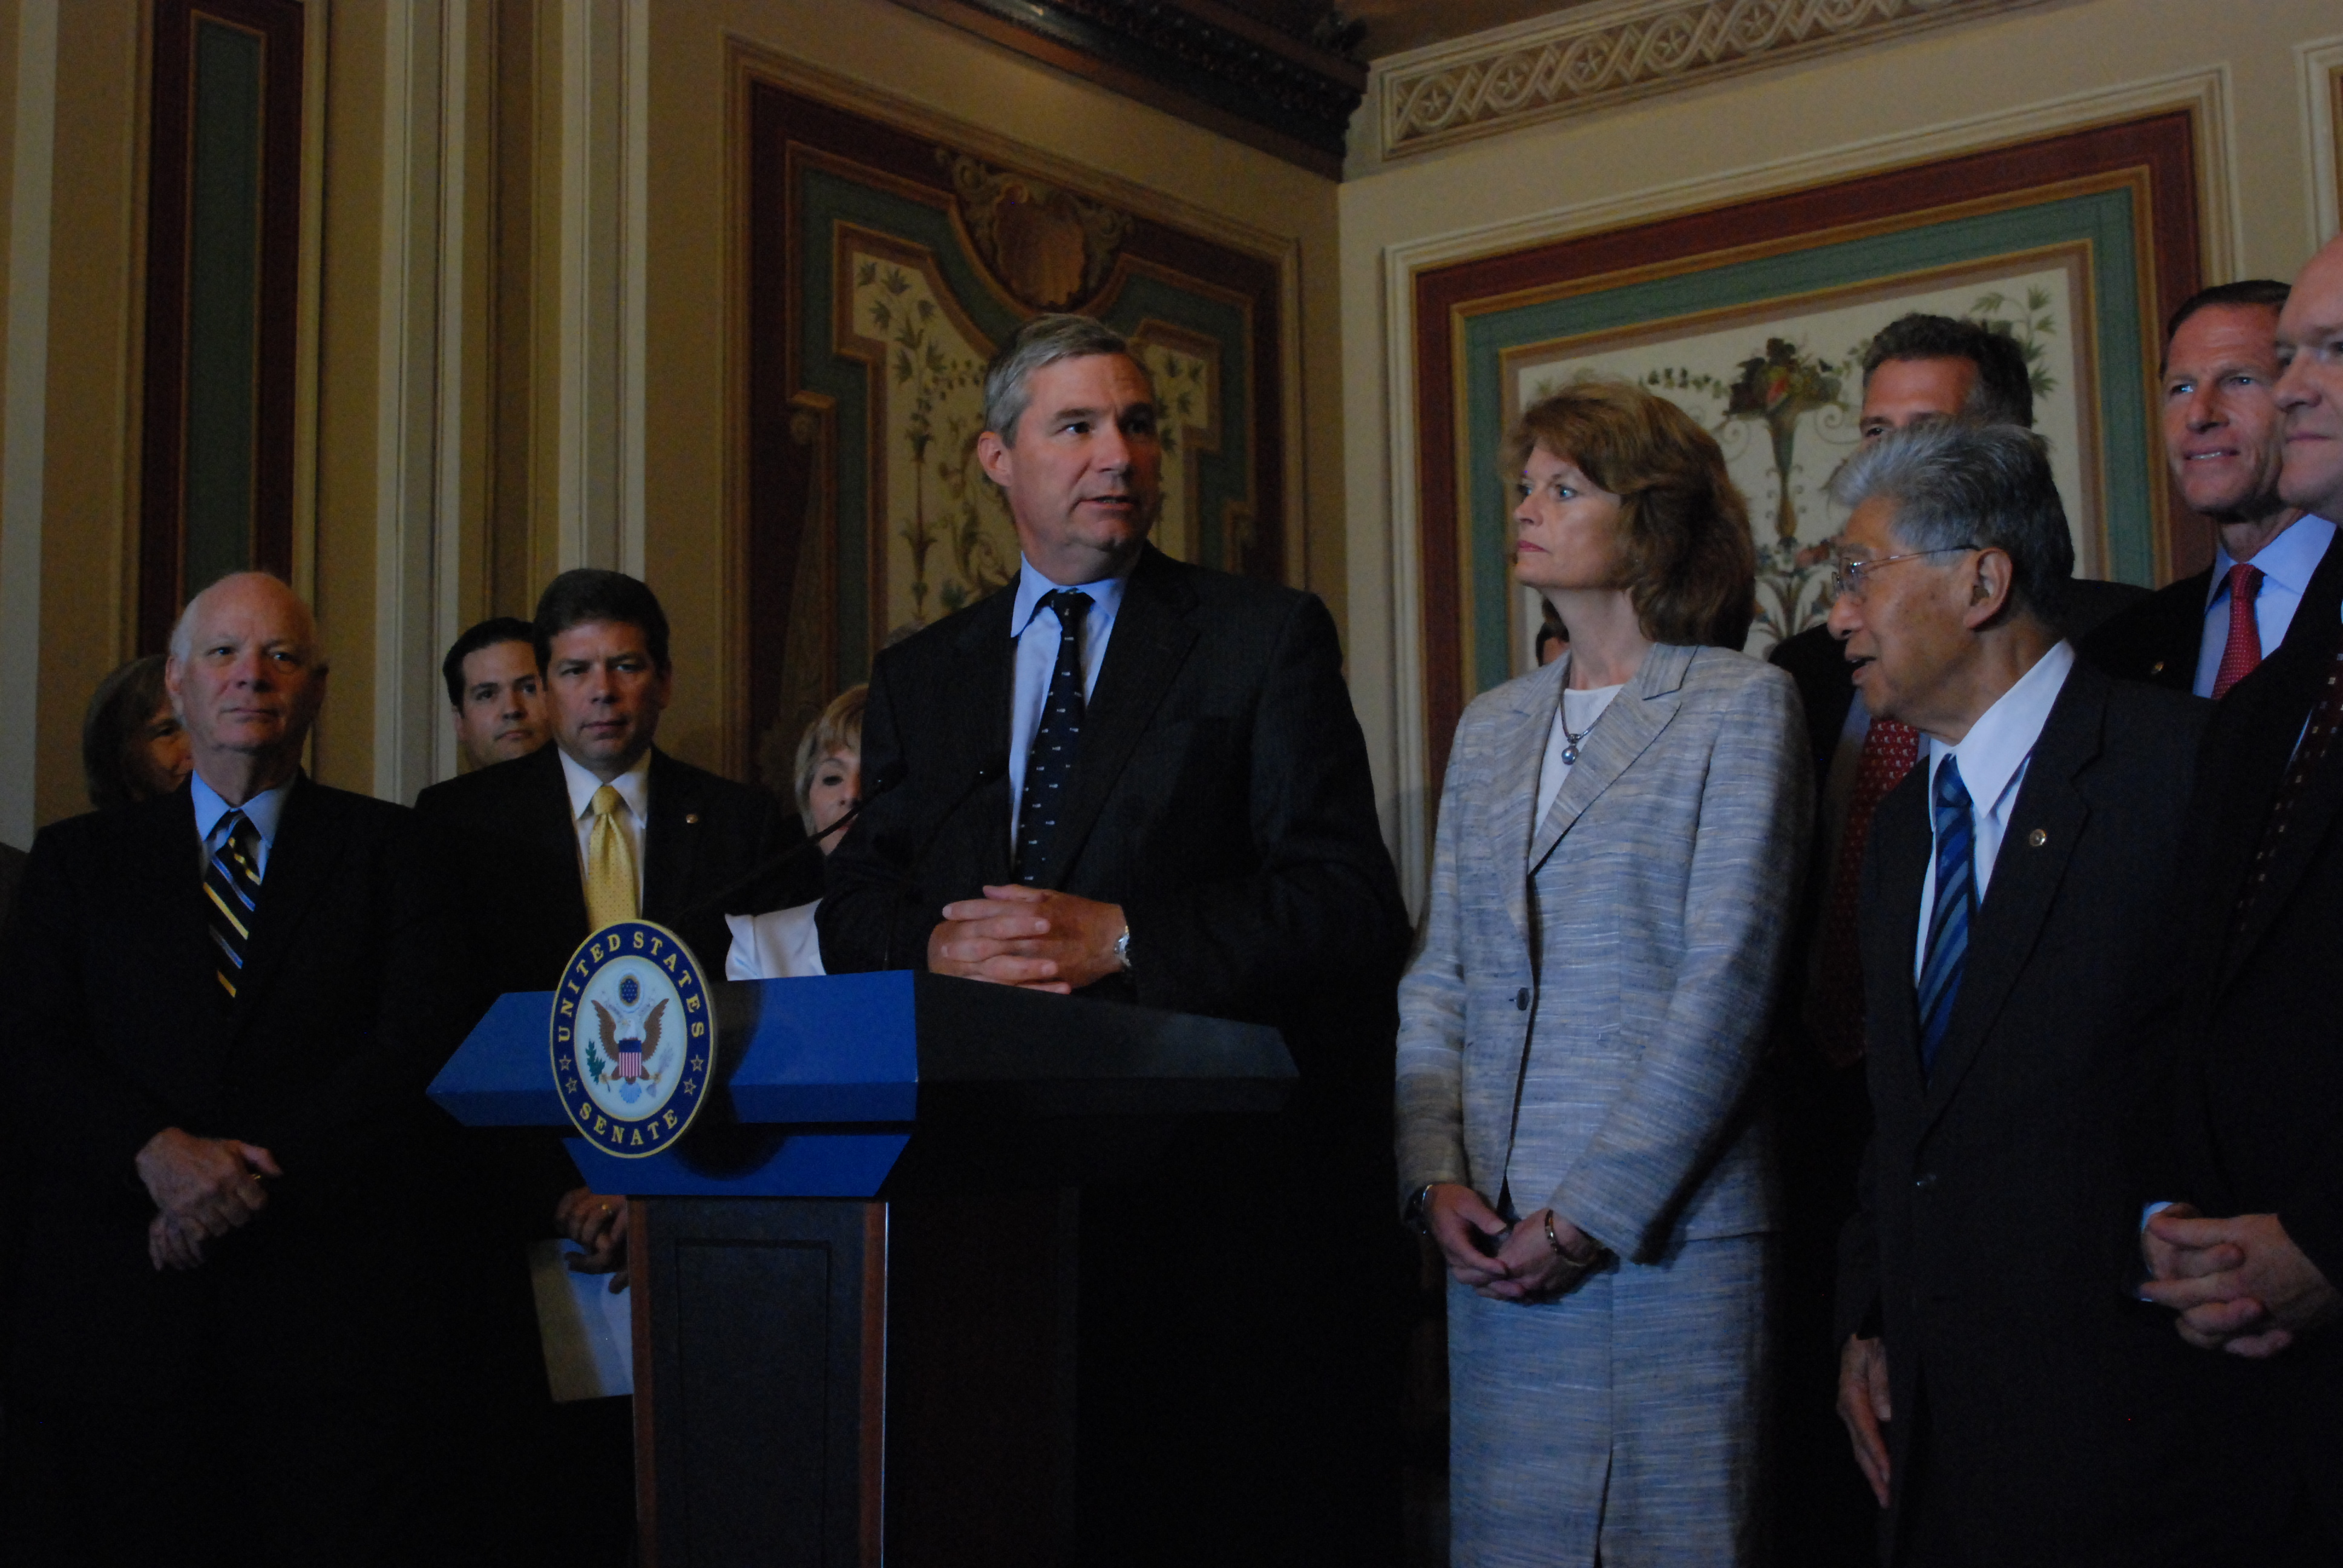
(1106, 595)
(265, 809)
(2286, 560)
(634, 787)
(2003, 738)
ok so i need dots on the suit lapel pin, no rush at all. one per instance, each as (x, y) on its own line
(2036, 838)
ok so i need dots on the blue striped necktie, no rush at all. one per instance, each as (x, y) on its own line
(1056, 743)
(231, 893)
(1949, 919)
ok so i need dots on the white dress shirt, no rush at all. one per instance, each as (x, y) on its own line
(266, 810)
(1993, 757)
(1578, 711)
(781, 944)
(2286, 563)
(1037, 633)
(633, 817)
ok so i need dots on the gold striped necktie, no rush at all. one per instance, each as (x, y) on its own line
(609, 863)
(231, 894)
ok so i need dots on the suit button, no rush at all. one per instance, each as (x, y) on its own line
(1522, 999)
(1925, 1180)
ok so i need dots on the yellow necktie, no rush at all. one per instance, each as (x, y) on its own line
(609, 864)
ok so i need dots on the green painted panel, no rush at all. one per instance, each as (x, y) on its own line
(2104, 219)
(223, 301)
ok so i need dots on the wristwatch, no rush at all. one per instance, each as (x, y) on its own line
(1122, 949)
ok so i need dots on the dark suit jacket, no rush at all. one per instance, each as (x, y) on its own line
(1222, 796)
(2254, 1119)
(2159, 639)
(510, 844)
(11, 873)
(1235, 1409)
(2012, 1148)
(115, 1030)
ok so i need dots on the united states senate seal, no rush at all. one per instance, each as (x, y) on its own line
(633, 1037)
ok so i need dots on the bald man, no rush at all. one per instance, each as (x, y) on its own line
(221, 1007)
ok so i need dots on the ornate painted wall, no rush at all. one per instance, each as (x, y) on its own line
(883, 269)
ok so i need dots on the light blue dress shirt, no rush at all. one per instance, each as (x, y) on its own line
(266, 810)
(1037, 633)
(1994, 756)
(2286, 563)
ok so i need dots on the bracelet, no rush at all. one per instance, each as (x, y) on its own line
(1586, 1260)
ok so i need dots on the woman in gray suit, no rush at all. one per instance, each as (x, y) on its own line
(1620, 840)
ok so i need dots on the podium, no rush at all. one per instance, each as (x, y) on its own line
(854, 1278)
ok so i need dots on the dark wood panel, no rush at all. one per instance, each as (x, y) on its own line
(167, 395)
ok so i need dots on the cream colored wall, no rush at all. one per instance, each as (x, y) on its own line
(348, 354)
(693, 545)
(1771, 130)
(87, 485)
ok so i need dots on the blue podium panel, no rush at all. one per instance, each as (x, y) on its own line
(842, 1048)
(822, 1084)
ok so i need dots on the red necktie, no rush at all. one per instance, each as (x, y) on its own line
(2245, 645)
(1835, 1006)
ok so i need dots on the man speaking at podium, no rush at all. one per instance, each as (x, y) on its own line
(1138, 779)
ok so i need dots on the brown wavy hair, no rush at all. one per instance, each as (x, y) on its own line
(1689, 564)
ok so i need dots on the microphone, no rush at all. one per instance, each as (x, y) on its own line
(907, 879)
(782, 862)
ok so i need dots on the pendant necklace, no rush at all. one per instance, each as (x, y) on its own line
(1570, 742)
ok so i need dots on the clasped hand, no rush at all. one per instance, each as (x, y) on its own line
(1029, 937)
(1524, 1266)
(202, 1188)
(598, 1224)
(2239, 1284)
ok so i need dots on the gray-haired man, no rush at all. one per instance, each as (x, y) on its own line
(1996, 1383)
(1141, 779)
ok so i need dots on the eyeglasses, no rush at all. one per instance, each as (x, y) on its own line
(1846, 576)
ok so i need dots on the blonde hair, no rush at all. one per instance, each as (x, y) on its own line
(1690, 566)
(837, 729)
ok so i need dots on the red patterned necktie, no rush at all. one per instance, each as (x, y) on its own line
(2317, 739)
(1835, 1006)
(2244, 650)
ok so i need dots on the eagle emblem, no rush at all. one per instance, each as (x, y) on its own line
(633, 1036)
(628, 1046)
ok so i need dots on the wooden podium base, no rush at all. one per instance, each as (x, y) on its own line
(840, 1382)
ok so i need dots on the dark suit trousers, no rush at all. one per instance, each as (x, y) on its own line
(243, 1478)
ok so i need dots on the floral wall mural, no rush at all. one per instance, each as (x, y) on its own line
(1782, 392)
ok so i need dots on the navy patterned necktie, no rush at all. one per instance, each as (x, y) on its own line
(1949, 920)
(1051, 763)
(231, 893)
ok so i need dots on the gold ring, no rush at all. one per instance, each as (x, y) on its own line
(607, 1210)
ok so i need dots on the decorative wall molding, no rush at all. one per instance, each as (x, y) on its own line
(418, 469)
(605, 96)
(1596, 56)
(2320, 62)
(24, 409)
(1204, 60)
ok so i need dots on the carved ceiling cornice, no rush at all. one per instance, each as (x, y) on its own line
(1595, 55)
(1286, 92)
